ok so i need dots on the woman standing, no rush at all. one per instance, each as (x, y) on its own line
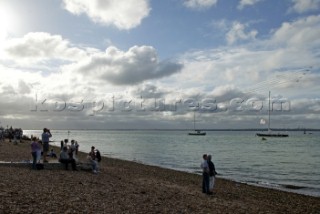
(35, 149)
(212, 173)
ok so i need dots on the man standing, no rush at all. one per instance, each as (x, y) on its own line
(205, 175)
(45, 140)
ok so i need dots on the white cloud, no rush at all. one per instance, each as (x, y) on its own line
(302, 6)
(147, 90)
(123, 14)
(273, 62)
(126, 68)
(220, 24)
(303, 33)
(50, 65)
(237, 32)
(17, 81)
(200, 4)
(244, 3)
(223, 73)
(39, 46)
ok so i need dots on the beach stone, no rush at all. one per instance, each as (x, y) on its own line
(130, 187)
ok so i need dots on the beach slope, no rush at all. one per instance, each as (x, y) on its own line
(128, 187)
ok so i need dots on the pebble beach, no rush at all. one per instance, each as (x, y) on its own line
(129, 187)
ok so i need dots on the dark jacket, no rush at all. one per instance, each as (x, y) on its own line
(212, 169)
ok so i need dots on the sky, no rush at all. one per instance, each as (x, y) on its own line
(151, 64)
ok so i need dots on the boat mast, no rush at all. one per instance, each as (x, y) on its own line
(194, 116)
(194, 120)
(269, 114)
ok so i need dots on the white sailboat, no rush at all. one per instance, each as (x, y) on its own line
(196, 132)
(270, 133)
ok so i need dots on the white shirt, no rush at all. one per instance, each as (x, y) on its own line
(204, 166)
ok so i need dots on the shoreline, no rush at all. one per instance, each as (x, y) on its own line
(288, 188)
(130, 187)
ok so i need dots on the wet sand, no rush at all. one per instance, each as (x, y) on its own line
(129, 187)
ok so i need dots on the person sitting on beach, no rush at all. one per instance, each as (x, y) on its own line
(205, 175)
(212, 173)
(52, 154)
(65, 159)
(93, 160)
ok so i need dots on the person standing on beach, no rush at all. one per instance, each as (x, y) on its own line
(45, 142)
(205, 174)
(61, 145)
(1, 136)
(212, 173)
(93, 160)
(39, 151)
(34, 151)
(65, 143)
(77, 147)
(73, 149)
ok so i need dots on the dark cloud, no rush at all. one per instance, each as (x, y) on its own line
(128, 68)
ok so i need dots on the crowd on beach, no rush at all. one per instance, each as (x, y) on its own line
(131, 187)
(68, 153)
(13, 134)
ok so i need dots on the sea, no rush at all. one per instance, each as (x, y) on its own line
(289, 164)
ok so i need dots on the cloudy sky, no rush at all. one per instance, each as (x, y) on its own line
(70, 64)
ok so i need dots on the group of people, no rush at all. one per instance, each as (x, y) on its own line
(74, 147)
(68, 153)
(1, 134)
(13, 134)
(68, 156)
(208, 173)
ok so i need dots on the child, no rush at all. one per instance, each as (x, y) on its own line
(52, 154)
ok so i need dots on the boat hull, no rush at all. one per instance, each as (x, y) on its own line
(272, 135)
(196, 133)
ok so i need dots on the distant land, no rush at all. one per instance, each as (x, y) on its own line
(156, 129)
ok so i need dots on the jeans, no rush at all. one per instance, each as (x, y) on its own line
(34, 162)
(94, 165)
(205, 182)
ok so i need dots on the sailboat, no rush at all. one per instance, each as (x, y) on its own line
(270, 133)
(197, 132)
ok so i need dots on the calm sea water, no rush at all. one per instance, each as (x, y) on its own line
(290, 164)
